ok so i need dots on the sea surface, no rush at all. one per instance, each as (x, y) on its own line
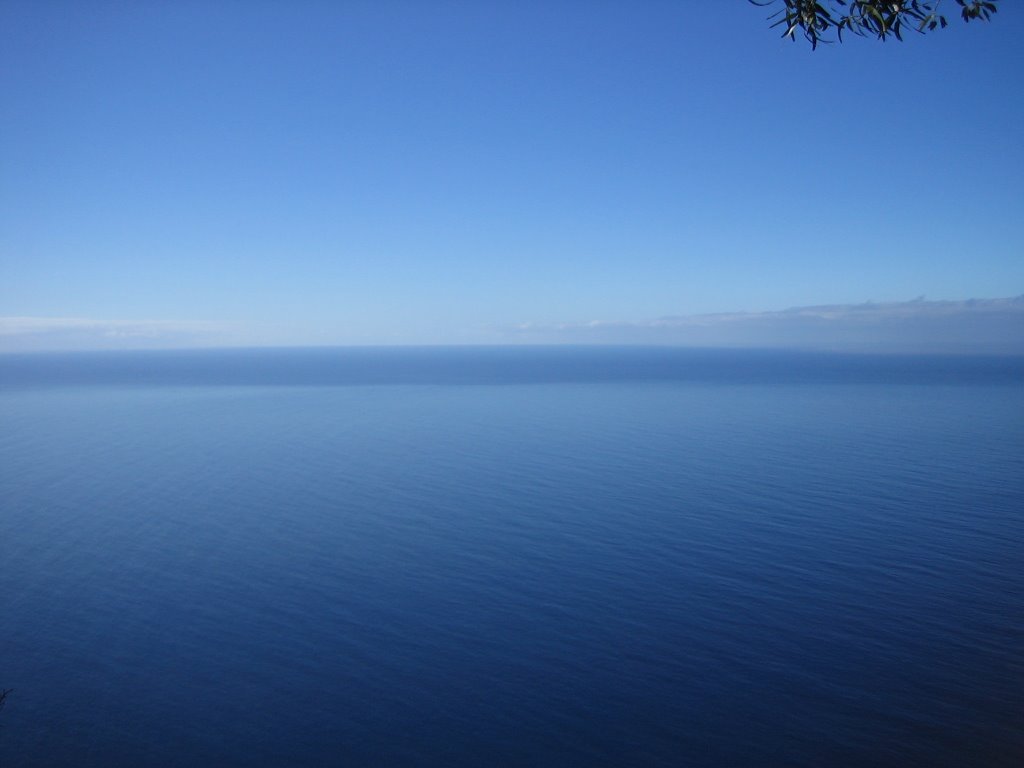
(511, 557)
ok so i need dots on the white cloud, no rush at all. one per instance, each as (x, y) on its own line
(974, 325)
(38, 333)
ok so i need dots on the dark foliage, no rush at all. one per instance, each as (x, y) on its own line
(824, 21)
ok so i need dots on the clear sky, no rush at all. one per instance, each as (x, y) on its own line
(441, 172)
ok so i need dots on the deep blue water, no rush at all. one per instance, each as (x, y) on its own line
(520, 557)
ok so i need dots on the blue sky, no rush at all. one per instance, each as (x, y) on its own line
(443, 172)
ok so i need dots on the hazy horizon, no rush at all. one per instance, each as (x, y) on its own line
(994, 326)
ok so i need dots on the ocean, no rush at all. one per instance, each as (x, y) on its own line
(511, 557)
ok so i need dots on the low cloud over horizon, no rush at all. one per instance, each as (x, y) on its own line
(971, 325)
(993, 326)
(73, 333)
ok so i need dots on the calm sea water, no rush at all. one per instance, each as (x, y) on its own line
(525, 557)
